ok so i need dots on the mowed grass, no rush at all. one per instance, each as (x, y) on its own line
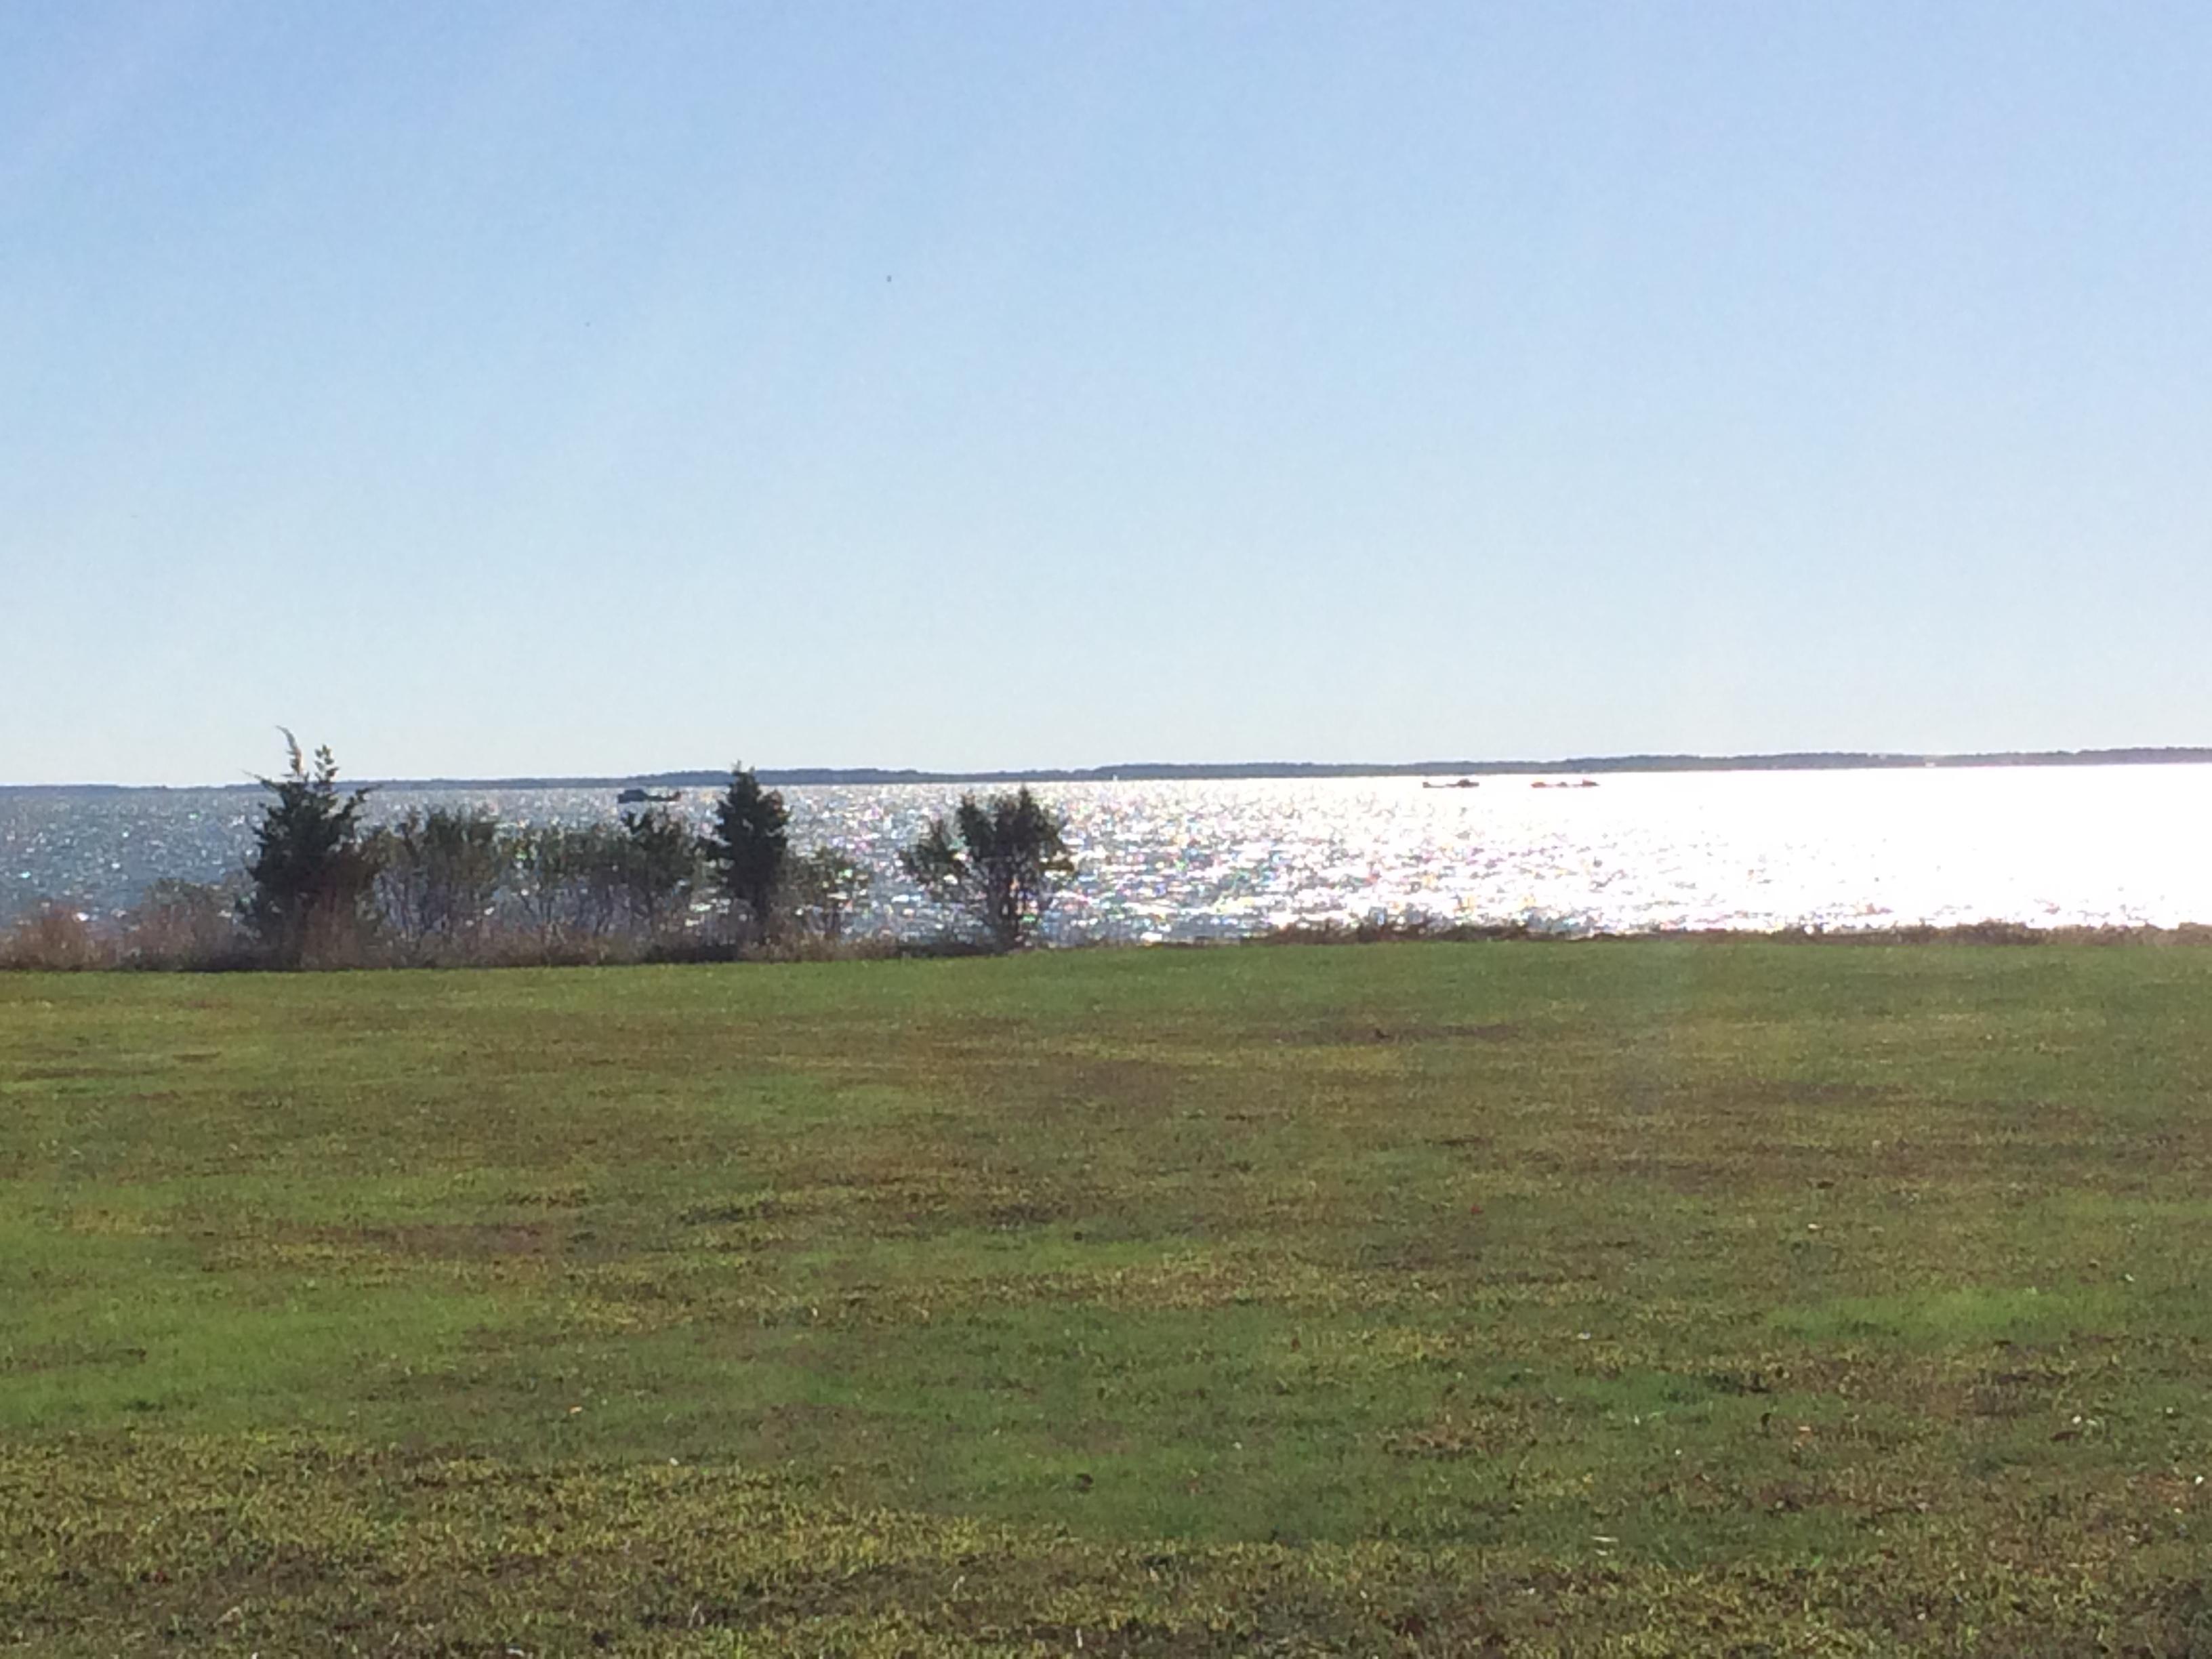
(1639, 1298)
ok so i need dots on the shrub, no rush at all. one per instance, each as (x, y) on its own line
(185, 924)
(438, 873)
(570, 881)
(310, 874)
(660, 868)
(1003, 862)
(747, 847)
(54, 938)
(823, 888)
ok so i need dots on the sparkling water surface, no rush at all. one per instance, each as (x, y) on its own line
(2047, 846)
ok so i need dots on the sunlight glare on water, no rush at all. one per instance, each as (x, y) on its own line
(2045, 846)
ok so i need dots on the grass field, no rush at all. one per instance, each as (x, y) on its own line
(1643, 1298)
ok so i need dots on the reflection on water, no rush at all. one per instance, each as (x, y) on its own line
(1184, 861)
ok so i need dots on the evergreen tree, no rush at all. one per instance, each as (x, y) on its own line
(748, 845)
(312, 877)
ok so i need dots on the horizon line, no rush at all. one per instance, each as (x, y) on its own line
(1198, 771)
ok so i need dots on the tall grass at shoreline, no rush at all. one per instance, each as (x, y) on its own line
(191, 934)
(60, 937)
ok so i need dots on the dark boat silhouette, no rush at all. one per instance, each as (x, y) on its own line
(639, 797)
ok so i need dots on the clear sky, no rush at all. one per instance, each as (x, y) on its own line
(491, 389)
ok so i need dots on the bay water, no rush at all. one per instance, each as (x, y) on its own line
(2044, 845)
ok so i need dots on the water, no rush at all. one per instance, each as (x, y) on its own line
(2045, 846)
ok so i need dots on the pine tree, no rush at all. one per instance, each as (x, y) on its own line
(312, 878)
(748, 845)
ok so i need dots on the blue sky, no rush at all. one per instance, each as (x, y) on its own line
(492, 389)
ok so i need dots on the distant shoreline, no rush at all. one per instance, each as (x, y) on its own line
(1202, 771)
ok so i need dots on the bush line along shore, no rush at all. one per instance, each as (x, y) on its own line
(445, 887)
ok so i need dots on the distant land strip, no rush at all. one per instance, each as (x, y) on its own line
(1196, 771)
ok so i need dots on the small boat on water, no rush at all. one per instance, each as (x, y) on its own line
(1456, 783)
(644, 797)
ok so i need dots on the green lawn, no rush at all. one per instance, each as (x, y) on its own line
(1642, 1299)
